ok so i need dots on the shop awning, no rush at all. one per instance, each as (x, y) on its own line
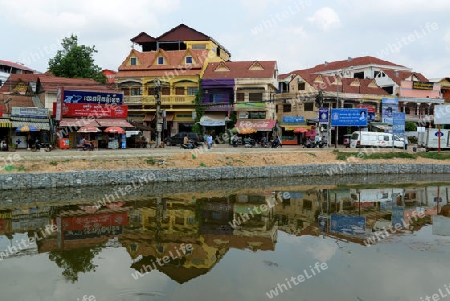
(262, 125)
(114, 122)
(5, 123)
(207, 120)
(44, 125)
(75, 122)
(293, 126)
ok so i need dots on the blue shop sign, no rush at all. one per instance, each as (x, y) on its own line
(349, 117)
(93, 97)
(323, 115)
(293, 119)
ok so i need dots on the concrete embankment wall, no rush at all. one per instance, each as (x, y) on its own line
(22, 181)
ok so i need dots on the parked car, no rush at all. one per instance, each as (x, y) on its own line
(178, 138)
(375, 139)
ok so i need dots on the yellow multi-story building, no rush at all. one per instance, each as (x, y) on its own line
(177, 59)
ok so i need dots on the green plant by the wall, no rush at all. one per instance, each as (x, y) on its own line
(151, 161)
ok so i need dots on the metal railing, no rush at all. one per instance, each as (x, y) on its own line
(165, 99)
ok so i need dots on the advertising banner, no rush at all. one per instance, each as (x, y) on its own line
(94, 221)
(93, 110)
(349, 117)
(398, 123)
(397, 215)
(29, 112)
(442, 114)
(93, 97)
(323, 223)
(371, 112)
(323, 115)
(293, 119)
(348, 224)
(389, 106)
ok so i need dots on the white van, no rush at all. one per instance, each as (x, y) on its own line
(375, 139)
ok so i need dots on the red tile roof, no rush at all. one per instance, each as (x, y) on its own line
(398, 76)
(240, 69)
(180, 33)
(16, 65)
(50, 83)
(366, 86)
(357, 61)
(174, 60)
(143, 38)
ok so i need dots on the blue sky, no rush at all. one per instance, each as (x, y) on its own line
(297, 34)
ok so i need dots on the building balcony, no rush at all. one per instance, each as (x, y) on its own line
(165, 100)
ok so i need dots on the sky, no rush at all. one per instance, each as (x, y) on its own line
(298, 34)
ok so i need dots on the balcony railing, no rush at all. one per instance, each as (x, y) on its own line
(165, 99)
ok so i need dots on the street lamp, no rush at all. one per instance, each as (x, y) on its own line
(337, 106)
(158, 109)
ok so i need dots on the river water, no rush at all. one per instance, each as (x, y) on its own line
(336, 238)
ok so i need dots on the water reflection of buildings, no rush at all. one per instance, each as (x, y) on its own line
(151, 228)
(353, 214)
(167, 223)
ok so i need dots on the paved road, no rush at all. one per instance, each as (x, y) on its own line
(64, 154)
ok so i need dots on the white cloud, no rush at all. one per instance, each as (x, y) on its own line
(322, 250)
(325, 18)
(446, 39)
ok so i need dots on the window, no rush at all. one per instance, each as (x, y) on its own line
(308, 106)
(255, 97)
(301, 86)
(287, 108)
(192, 90)
(199, 46)
(189, 60)
(151, 91)
(165, 91)
(359, 75)
(160, 60)
(179, 90)
(240, 96)
(217, 98)
(276, 109)
(133, 61)
(135, 91)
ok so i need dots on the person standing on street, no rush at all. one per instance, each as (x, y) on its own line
(406, 143)
(209, 140)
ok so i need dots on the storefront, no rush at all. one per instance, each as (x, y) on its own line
(215, 123)
(89, 115)
(182, 122)
(293, 130)
(29, 125)
(256, 128)
(5, 131)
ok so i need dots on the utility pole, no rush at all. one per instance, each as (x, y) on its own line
(159, 120)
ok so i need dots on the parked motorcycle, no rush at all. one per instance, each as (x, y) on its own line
(189, 145)
(38, 145)
(249, 143)
(3, 145)
(276, 143)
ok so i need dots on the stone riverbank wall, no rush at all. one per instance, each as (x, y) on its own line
(25, 180)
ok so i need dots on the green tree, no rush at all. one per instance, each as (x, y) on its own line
(75, 61)
(410, 126)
